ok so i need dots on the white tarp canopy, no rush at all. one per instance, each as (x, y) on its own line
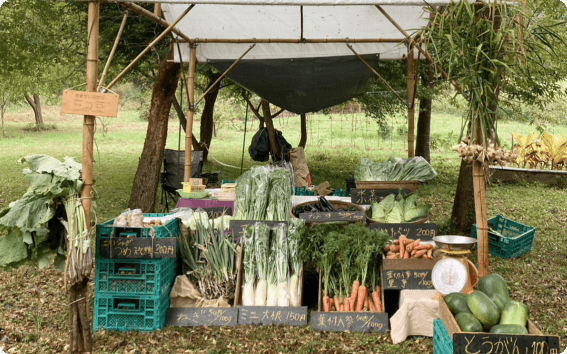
(234, 22)
(302, 2)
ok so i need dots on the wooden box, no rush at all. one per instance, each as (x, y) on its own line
(487, 343)
(410, 185)
(187, 188)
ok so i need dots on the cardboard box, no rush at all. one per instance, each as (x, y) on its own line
(413, 273)
(187, 188)
(197, 182)
(487, 343)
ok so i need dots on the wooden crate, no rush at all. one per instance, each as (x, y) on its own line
(411, 185)
(488, 343)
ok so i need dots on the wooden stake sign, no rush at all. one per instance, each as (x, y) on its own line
(90, 103)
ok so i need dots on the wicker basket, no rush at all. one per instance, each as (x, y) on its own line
(335, 203)
(372, 221)
(411, 185)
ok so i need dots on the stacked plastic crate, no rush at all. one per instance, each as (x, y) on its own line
(132, 294)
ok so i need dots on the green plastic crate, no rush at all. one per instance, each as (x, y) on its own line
(338, 192)
(129, 313)
(134, 277)
(106, 230)
(516, 239)
(442, 343)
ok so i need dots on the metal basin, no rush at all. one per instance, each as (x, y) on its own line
(455, 243)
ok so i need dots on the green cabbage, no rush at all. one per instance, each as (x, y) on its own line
(400, 209)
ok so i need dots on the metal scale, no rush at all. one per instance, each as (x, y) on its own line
(454, 273)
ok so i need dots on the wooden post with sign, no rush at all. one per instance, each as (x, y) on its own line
(411, 99)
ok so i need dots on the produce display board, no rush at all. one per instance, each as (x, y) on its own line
(367, 196)
(236, 227)
(400, 274)
(267, 315)
(349, 321)
(215, 212)
(190, 317)
(423, 231)
(487, 343)
(335, 216)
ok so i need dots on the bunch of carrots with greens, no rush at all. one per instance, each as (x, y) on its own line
(348, 256)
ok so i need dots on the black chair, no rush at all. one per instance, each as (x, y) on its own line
(173, 173)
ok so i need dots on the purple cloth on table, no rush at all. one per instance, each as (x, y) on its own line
(205, 203)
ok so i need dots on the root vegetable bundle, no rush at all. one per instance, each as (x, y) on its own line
(272, 265)
(405, 248)
(208, 259)
(348, 257)
(490, 154)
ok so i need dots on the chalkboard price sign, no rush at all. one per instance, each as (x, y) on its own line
(349, 321)
(137, 247)
(333, 216)
(190, 317)
(266, 315)
(236, 227)
(215, 212)
(423, 231)
(407, 279)
(487, 343)
(367, 196)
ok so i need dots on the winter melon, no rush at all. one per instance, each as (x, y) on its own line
(514, 313)
(494, 284)
(483, 308)
(468, 322)
(457, 303)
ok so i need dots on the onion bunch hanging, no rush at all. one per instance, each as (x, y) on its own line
(491, 154)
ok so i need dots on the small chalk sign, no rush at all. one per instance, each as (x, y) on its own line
(485, 343)
(347, 216)
(191, 317)
(215, 212)
(423, 231)
(407, 279)
(236, 227)
(137, 247)
(367, 196)
(267, 315)
(349, 321)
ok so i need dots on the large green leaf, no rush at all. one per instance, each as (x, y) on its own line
(31, 213)
(13, 249)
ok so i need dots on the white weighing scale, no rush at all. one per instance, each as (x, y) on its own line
(454, 273)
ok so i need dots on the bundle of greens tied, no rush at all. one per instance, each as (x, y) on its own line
(208, 258)
(348, 257)
(272, 266)
(263, 193)
(395, 169)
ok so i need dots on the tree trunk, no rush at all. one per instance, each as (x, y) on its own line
(207, 117)
(463, 215)
(2, 116)
(424, 121)
(36, 106)
(147, 177)
(303, 139)
(81, 339)
(267, 115)
(183, 123)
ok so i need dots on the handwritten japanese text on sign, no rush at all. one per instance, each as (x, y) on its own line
(423, 231)
(333, 216)
(89, 103)
(486, 343)
(407, 279)
(189, 317)
(266, 315)
(349, 321)
(137, 247)
(367, 196)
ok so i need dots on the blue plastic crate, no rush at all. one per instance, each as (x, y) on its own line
(105, 231)
(129, 313)
(134, 276)
(442, 343)
(338, 192)
(300, 190)
(516, 238)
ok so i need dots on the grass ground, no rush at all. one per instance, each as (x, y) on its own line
(33, 316)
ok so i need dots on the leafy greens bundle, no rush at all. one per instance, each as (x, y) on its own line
(395, 169)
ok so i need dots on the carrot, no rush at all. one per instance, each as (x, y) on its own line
(423, 247)
(396, 242)
(360, 298)
(392, 256)
(430, 253)
(413, 244)
(406, 254)
(347, 305)
(337, 305)
(386, 248)
(354, 292)
(326, 303)
(395, 248)
(402, 245)
(420, 253)
(366, 302)
(376, 299)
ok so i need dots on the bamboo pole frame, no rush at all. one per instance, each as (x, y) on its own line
(191, 111)
(114, 46)
(224, 74)
(149, 15)
(293, 40)
(411, 100)
(150, 46)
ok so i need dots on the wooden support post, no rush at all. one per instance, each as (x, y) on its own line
(191, 112)
(111, 55)
(157, 9)
(411, 101)
(481, 219)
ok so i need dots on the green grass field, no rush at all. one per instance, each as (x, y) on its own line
(33, 316)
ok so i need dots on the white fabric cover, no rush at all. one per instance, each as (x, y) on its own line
(284, 22)
(300, 2)
(415, 315)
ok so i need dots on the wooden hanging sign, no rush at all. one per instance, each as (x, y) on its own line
(89, 103)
